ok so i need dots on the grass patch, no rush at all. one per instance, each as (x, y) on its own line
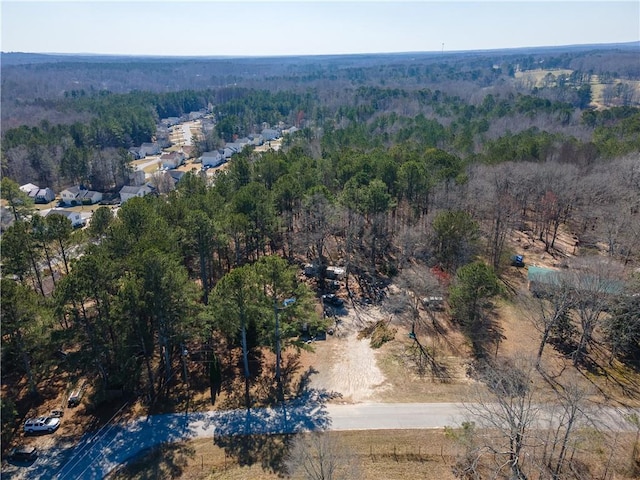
(396, 454)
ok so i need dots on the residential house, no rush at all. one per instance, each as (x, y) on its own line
(28, 187)
(236, 147)
(170, 121)
(90, 197)
(227, 152)
(256, 139)
(176, 175)
(43, 195)
(75, 217)
(137, 153)
(212, 159)
(149, 149)
(243, 142)
(270, 134)
(37, 194)
(172, 160)
(78, 195)
(137, 177)
(130, 191)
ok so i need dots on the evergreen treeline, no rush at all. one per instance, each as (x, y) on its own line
(500, 128)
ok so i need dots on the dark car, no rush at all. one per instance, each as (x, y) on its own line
(24, 453)
(333, 300)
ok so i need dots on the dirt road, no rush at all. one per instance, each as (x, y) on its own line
(347, 365)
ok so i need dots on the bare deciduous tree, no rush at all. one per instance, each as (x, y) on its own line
(595, 283)
(567, 415)
(321, 456)
(494, 196)
(507, 411)
(546, 311)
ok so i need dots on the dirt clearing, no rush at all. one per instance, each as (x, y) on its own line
(345, 364)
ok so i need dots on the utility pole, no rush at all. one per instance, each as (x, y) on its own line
(278, 373)
(183, 353)
(286, 303)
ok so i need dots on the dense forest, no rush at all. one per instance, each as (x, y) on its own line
(400, 160)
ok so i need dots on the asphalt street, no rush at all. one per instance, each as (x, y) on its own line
(100, 452)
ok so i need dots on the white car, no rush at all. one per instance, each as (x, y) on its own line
(41, 424)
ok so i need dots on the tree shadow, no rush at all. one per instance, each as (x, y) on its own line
(485, 335)
(263, 435)
(102, 450)
(591, 370)
(625, 383)
(425, 360)
(164, 461)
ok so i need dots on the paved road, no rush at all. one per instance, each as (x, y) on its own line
(186, 134)
(99, 453)
(154, 160)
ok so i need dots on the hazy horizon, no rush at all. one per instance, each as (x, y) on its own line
(435, 52)
(308, 28)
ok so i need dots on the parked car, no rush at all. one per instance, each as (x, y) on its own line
(433, 303)
(333, 300)
(41, 424)
(74, 398)
(23, 453)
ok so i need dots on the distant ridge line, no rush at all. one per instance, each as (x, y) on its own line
(21, 58)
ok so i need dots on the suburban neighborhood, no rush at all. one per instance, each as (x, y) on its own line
(169, 159)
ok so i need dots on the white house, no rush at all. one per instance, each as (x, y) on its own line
(149, 149)
(227, 152)
(129, 191)
(256, 139)
(212, 159)
(90, 197)
(172, 160)
(28, 187)
(68, 195)
(235, 146)
(243, 142)
(137, 177)
(37, 194)
(270, 134)
(43, 195)
(77, 195)
(75, 217)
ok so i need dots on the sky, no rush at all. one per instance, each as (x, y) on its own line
(308, 27)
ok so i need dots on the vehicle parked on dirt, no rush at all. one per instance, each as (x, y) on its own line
(23, 453)
(333, 300)
(41, 424)
(433, 303)
(74, 398)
